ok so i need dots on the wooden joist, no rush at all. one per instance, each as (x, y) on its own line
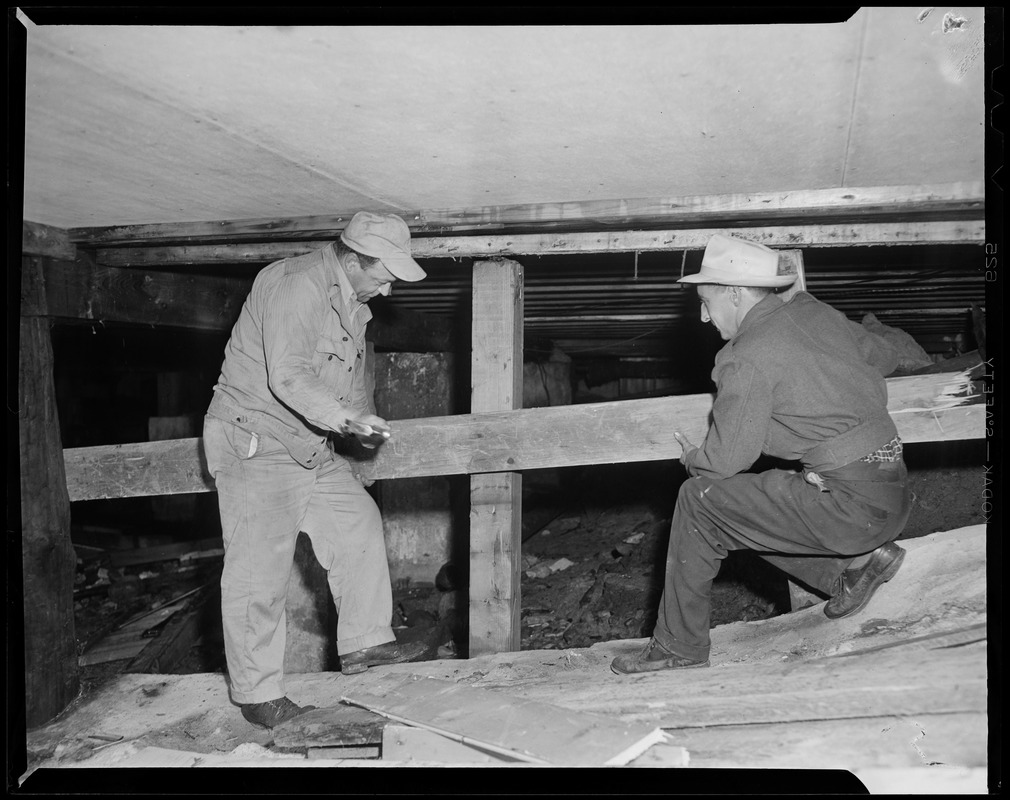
(614, 432)
(482, 246)
(952, 199)
(44, 240)
(83, 291)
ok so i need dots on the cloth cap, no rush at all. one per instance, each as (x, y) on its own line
(737, 262)
(385, 237)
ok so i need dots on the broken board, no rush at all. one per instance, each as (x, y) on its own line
(530, 731)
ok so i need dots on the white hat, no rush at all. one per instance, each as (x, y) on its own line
(737, 262)
(385, 237)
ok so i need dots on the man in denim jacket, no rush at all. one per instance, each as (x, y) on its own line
(800, 382)
(293, 375)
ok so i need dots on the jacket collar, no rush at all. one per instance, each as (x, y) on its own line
(342, 296)
(765, 308)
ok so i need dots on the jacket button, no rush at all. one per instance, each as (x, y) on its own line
(345, 338)
(329, 358)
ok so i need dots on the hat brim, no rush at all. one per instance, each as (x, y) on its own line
(403, 267)
(726, 279)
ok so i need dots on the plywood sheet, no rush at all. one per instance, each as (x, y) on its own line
(536, 732)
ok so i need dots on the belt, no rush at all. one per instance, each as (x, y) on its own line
(888, 453)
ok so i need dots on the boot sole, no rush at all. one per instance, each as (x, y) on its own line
(617, 671)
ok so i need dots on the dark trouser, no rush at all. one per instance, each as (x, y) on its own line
(811, 534)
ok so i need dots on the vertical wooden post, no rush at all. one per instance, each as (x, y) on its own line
(496, 499)
(48, 559)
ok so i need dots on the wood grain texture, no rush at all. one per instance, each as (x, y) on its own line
(45, 240)
(48, 559)
(848, 202)
(504, 245)
(536, 732)
(615, 432)
(496, 499)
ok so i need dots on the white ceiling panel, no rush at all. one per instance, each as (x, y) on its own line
(149, 124)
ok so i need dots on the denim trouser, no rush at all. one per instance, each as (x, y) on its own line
(266, 498)
(789, 521)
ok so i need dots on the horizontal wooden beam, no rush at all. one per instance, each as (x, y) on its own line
(82, 290)
(44, 240)
(480, 246)
(506, 441)
(85, 292)
(844, 203)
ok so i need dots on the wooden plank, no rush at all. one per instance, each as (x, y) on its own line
(343, 753)
(535, 732)
(82, 290)
(846, 202)
(614, 432)
(172, 644)
(48, 559)
(336, 726)
(496, 246)
(943, 681)
(929, 743)
(204, 548)
(128, 641)
(44, 240)
(496, 500)
(404, 744)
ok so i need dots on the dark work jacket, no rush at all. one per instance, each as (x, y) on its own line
(799, 381)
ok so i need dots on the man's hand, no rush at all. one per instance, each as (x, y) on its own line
(369, 429)
(685, 446)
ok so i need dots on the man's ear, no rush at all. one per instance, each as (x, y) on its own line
(352, 263)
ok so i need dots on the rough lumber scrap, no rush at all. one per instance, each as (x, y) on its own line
(951, 199)
(535, 732)
(480, 246)
(336, 726)
(614, 432)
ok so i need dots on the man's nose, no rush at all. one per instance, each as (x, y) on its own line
(386, 289)
(704, 316)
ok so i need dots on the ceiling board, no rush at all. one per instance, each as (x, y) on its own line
(157, 124)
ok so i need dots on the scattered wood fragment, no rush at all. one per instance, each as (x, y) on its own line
(535, 732)
(337, 726)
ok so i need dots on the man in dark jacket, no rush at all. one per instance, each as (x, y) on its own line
(800, 382)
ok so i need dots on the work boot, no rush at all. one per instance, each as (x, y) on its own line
(272, 712)
(652, 659)
(389, 653)
(854, 587)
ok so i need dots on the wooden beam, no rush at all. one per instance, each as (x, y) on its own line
(47, 554)
(845, 202)
(83, 291)
(621, 431)
(43, 240)
(482, 246)
(496, 499)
